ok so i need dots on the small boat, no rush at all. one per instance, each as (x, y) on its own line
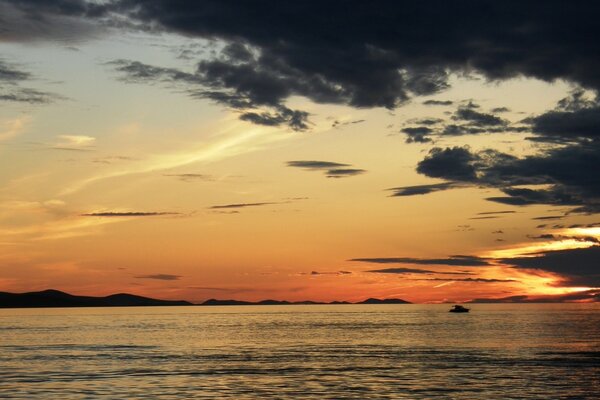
(458, 308)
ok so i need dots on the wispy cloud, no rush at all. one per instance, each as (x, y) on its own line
(242, 205)
(117, 214)
(331, 169)
(192, 177)
(455, 260)
(230, 141)
(160, 277)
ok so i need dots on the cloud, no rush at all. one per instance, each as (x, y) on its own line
(117, 214)
(382, 55)
(418, 134)
(315, 164)
(438, 102)
(11, 78)
(477, 280)
(160, 277)
(78, 140)
(331, 169)
(577, 267)
(565, 172)
(316, 273)
(401, 271)
(423, 189)
(189, 177)
(370, 56)
(251, 89)
(63, 20)
(575, 119)
(466, 120)
(586, 295)
(344, 172)
(477, 118)
(456, 260)
(74, 143)
(496, 212)
(241, 205)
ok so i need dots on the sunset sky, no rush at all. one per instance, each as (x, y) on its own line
(318, 150)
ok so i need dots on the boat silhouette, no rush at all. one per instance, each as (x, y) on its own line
(459, 309)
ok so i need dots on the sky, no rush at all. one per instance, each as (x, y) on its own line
(432, 151)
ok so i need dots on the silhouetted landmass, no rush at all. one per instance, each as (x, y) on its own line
(56, 298)
(384, 301)
(215, 302)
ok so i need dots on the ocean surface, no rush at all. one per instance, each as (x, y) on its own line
(497, 351)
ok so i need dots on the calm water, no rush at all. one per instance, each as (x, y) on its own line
(353, 351)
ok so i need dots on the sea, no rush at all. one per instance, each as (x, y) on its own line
(497, 351)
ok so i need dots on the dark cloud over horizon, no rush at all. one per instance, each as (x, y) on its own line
(586, 295)
(577, 267)
(455, 260)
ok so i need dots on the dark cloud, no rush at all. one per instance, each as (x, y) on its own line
(331, 169)
(549, 217)
(344, 172)
(371, 55)
(11, 78)
(438, 102)
(486, 217)
(128, 214)
(160, 277)
(427, 121)
(316, 164)
(401, 271)
(576, 119)
(500, 109)
(316, 273)
(337, 123)
(418, 134)
(550, 236)
(295, 119)
(477, 118)
(478, 280)
(567, 172)
(241, 205)
(586, 295)
(456, 260)
(455, 163)
(496, 212)
(578, 267)
(423, 189)
(466, 120)
(39, 20)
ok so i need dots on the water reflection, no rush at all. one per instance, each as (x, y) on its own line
(383, 351)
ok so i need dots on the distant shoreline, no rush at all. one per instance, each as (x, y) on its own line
(56, 299)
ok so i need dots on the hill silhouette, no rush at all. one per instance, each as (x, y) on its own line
(56, 298)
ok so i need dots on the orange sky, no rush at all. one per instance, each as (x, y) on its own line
(115, 186)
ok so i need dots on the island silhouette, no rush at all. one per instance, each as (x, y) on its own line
(56, 298)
